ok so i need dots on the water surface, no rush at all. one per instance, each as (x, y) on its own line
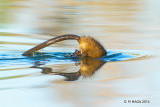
(128, 29)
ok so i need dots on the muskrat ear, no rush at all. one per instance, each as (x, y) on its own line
(51, 41)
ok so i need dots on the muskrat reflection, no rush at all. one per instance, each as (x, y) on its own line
(87, 69)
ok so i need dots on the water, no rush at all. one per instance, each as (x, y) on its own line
(128, 29)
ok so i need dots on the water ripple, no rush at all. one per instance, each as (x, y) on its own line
(112, 56)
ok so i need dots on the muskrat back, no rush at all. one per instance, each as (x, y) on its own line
(91, 48)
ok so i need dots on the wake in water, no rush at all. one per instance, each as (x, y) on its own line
(87, 66)
(16, 57)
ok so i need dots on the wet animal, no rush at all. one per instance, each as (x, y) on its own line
(89, 47)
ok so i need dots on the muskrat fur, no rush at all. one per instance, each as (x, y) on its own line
(89, 47)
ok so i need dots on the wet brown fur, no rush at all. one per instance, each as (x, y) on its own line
(89, 47)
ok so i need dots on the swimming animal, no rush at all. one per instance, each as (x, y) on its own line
(89, 47)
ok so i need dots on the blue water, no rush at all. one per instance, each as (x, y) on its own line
(55, 57)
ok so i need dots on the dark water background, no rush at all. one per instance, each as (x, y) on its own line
(128, 29)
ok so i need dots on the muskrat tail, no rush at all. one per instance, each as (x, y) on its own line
(51, 41)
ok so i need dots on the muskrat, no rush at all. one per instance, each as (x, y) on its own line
(89, 47)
